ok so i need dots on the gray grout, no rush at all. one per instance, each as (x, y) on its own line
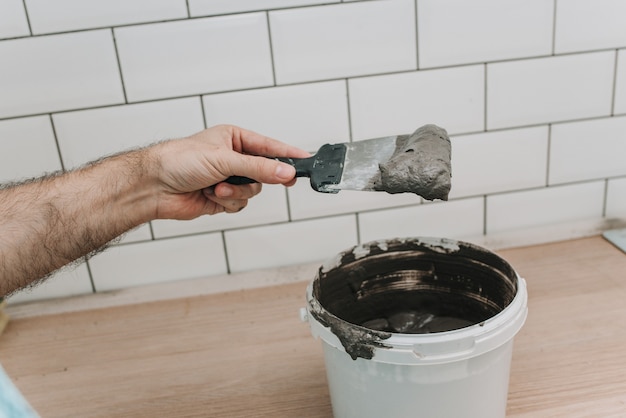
(417, 48)
(119, 65)
(269, 36)
(56, 141)
(349, 110)
(485, 98)
(30, 29)
(227, 260)
(554, 29)
(485, 215)
(548, 155)
(90, 274)
(615, 67)
(605, 197)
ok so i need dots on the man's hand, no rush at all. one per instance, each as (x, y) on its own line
(191, 171)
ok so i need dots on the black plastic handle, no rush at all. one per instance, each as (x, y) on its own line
(324, 168)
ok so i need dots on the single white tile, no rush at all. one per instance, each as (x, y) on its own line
(458, 219)
(583, 25)
(27, 148)
(316, 43)
(549, 89)
(214, 7)
(616, 198)
(499, 161)
(90, 134)
(158, 261)
(58, 72)
(452, 98)
(304, 202)
(195, 56)
(588, 150)
(269, 206)
(289, 243)
(307, 115)
(69, 281)
(620, 83)
(459, 31)
(13, 22)
(544, 207)
(64, 15)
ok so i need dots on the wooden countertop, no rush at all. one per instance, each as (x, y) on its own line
(246, 353)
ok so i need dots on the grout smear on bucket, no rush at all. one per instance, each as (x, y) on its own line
(357, 341)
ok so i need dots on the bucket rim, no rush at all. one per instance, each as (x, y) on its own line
(428, 348)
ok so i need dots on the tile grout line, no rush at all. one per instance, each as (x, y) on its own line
(287, 200)
(228, 271)
(269, 38)
(349, 110)
(614, 82)
(485, 98)
(119, 65)
(548, 155)
(90, 274)
(203, 110)
(188, 10)
(151, 228)
(56, 141)
(554, 29)
(30, 29)
(417, 48)
(606, 196)
(485, 215)
(358, 227)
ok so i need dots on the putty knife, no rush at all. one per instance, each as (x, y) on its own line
(417, 163)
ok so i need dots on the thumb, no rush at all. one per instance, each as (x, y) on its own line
(261, 169)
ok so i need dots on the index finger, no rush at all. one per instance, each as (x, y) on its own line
(250, 142)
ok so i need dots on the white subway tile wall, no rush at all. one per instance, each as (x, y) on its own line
(508, 29)
(583, 25)
(27, 148)
(457, 219)
(533, 94)
(305, 115)
(588, 150)
(343, 40)
(499, 161)
(86, 135)
(544, 90)
(620, 83)
(48, 16)
(298, 242)
(453, 98)
(193, 56)
(158, 261)
(58, 72)
(13, 20)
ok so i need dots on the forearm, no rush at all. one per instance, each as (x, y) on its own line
(48, 223)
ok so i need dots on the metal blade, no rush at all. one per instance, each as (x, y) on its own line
(361, 163)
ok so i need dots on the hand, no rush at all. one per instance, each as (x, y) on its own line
(191, 171)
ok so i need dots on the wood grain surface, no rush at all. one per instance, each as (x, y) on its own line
(246, 353)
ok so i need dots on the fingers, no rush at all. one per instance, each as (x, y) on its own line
(261, 169)
(249, 142)
(227, 198)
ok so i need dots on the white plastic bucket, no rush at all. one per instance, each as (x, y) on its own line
(455, 373)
